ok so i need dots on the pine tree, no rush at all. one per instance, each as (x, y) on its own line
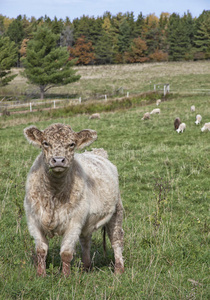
(178, 38)
(124, 37)
(202, 36)
(139, 24)
(104, 49)
(8, 57)
(47, 65)
(15, 31)
(16, 34)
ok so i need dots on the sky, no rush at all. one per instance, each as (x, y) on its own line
(94, 8)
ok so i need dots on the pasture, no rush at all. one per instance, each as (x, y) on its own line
(164, 183)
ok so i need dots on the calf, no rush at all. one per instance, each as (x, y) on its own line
(71, 195)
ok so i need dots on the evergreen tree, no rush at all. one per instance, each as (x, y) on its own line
(139, 24)
(2, 27)
(16, 34)
(124, 36)
(47, 65)
(8, 57)
(202, 36)
(151, 33)
(15, 31)
(104, 49)
(178, 38)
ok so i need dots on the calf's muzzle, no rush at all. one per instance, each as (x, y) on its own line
(58, 161)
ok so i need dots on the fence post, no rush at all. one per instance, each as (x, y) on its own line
(54, 104)
(127, 94)
(80, 99)
(105, 97)
(164, 89)
(30, 106)
(154, 87)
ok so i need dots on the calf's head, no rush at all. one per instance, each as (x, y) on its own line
(58, 143)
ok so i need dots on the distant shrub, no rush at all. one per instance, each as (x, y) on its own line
(158, 55)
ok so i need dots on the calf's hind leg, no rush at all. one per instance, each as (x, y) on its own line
(85, 243)
(116, 234)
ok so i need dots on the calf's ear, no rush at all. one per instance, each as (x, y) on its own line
(33, 135)
(85, 137)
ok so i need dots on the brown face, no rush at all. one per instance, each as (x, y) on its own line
(58, 143)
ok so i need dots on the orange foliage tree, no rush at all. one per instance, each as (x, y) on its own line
(158, 55)
(23, 47)
(83, 51)
(137, 52)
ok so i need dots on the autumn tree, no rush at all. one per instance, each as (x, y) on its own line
(8, 57)
(83, 51)
(23, 47)
(137, 52)
(46, 64)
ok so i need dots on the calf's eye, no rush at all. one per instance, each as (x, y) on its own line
(45, 144)
(72, 145)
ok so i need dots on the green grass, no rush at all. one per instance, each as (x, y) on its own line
(135, 78)
(164, 182)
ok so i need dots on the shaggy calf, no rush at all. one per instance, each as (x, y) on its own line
(71, 195)
(177, 122)
(198, 119)
(181, 128)
(206, 127)
(155, 111)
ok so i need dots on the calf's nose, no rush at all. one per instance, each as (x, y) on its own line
(58, 161)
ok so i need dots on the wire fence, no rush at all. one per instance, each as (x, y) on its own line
(7, 107)
(10, 107)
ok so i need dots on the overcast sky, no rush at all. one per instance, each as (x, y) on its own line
(93, 8)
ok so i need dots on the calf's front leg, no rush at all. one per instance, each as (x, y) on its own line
(41, 246)
(71, 237)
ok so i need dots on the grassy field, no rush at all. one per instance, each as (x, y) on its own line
(164, 182)
(95, 81)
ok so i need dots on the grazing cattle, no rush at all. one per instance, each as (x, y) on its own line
(155, 111)
(146, 116)
(206, 127)
(181, 128)
(177, 122)
(71, 195)
(192, 108)
(198, 119)
(95, 116)
(158, 102)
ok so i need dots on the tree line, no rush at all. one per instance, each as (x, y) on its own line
(47, 49)
(112, 39)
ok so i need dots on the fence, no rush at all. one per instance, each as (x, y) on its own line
(7, 107)
(35, 105)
